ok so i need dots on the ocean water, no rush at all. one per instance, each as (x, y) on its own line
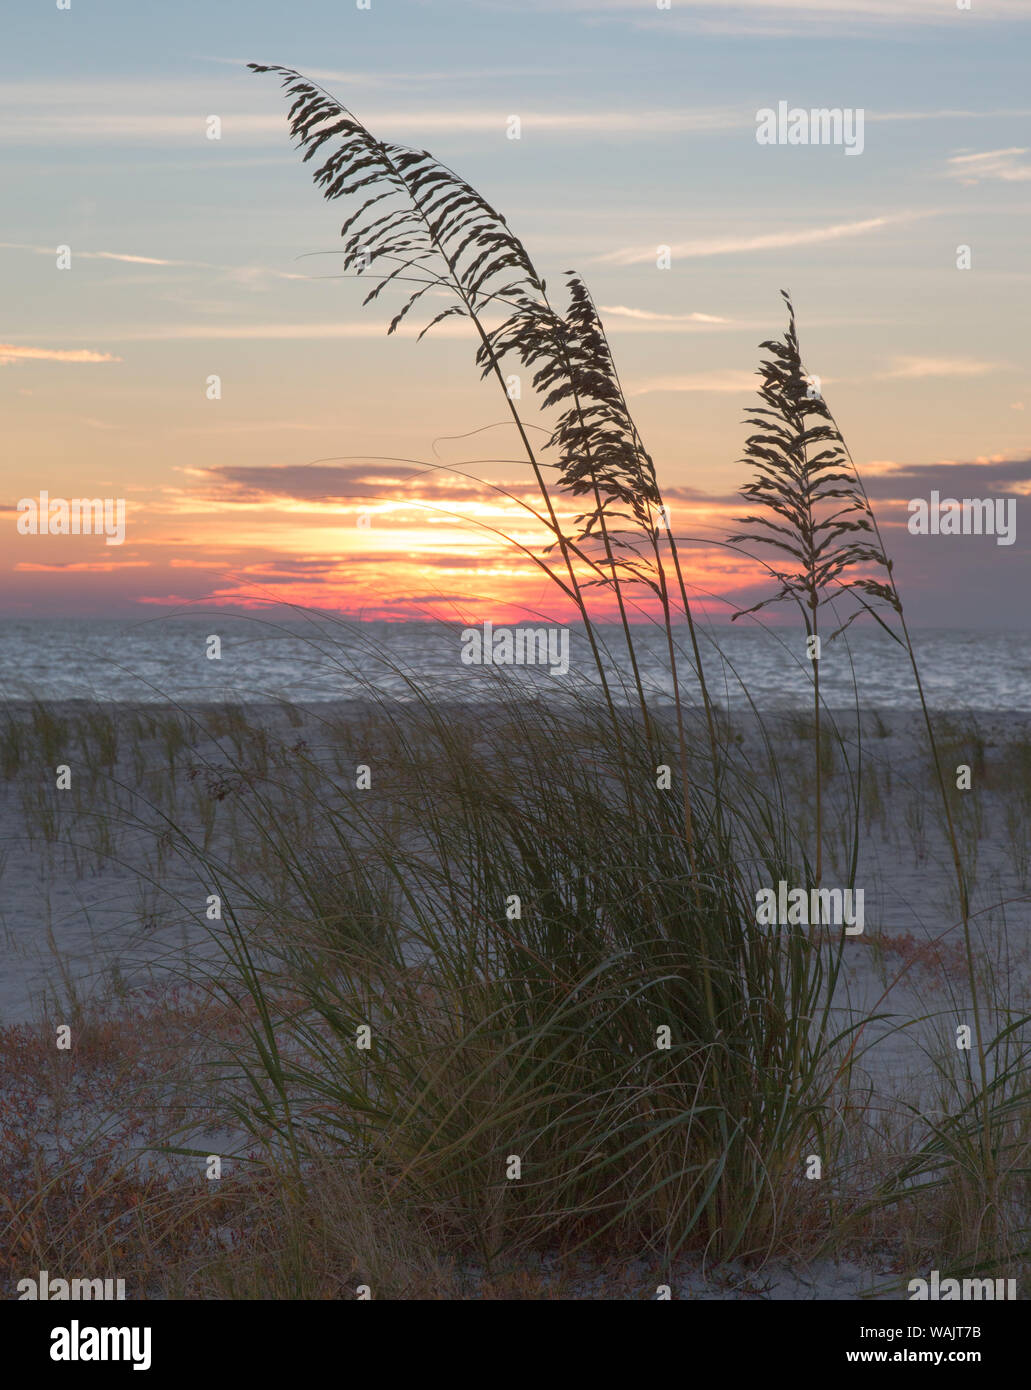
(166, 659)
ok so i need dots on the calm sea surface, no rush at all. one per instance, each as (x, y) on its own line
(166, 659)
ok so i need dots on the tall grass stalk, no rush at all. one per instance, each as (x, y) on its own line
(435, 216)
(795, 486)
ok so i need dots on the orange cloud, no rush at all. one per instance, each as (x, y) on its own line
(101, 566)
(9, 354)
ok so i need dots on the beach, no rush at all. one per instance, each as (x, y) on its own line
(110, 924)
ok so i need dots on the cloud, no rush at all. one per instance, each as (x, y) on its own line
(950, 113)
(769, 241)
(970, 479)
(730, 382)
(10, 354)
(911, 368)
(878, 9)
(273, 332)
(624, 321)
(350, 483)
(122, 125)
(900, 10)
(242, 274)
(766, 18)
(623, 312)
(127, 112)
(122, 256)
(1004, 165)
(81, 566)
(92, 255)
(434, 598)
(427, 77)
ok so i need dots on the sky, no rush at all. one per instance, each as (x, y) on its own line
(340, 468)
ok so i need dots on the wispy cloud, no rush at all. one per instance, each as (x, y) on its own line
(121, 256)
(251, 128)
(761, 18)
(769, 241)
(10, 354)
(648, 315)
(176, 112)
(277, 332)
(888, 11)
(389, 78)
(143, 128)
(92, 255)
(242, 274)
(628, 322)
(80, 566)
(1005, 165)
(880, 9)
(350, 483)
(730, 382)
(917, 367)
(130, 113)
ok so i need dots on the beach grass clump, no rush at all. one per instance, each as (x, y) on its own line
(545, 979)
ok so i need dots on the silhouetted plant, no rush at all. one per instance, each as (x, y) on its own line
(420, 223)
(820, 502)
(806, 481)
